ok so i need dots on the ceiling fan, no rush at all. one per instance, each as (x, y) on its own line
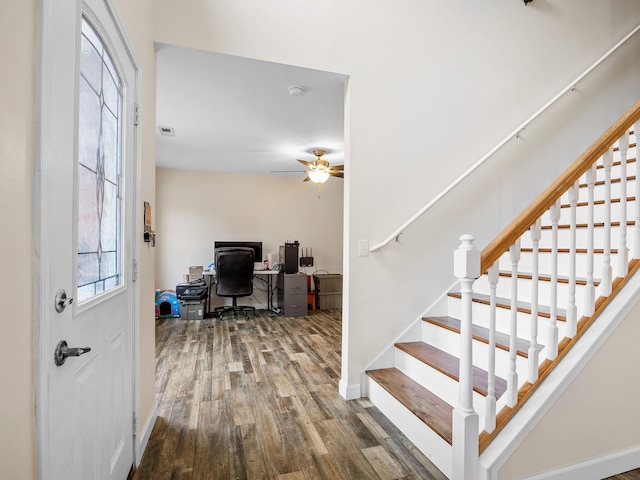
(319, 170)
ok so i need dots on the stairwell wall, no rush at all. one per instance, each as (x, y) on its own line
(591, 430)
(432, 87)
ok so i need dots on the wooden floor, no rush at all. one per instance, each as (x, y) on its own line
(257, 399)
(631, 475)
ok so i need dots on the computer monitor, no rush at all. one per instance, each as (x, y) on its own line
(256, 246)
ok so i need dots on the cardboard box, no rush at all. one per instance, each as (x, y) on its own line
(328, 283)
(196, 272)
(328, 301)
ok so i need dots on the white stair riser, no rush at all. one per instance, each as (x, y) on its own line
(436, 382)
(582, 212)
(598, 194)
(426, 440)
(450, 342)
(503, 290)
(617, 169)
(564, 238)
(480, 314)
(544, 264)
(599, 189)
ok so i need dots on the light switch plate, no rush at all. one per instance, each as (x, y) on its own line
(363, 248)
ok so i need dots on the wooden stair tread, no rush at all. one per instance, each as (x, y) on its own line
(630, 178)
(598, 251)
(449, 365)
(617, 163)
(631, 145)
(597, 202)
(566, 226)
(428, 407)
(481, 334)
(546, 278)
(522, 307)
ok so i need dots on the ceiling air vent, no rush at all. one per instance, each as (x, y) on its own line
(167, 131)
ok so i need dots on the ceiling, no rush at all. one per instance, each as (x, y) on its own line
(234, 114)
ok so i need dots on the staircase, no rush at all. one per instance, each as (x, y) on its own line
(545, 280)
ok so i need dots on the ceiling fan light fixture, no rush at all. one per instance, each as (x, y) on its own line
(318, 176)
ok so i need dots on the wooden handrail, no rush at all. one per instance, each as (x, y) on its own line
(570, 87)
(543, 202)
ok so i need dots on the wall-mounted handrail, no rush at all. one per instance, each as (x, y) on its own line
(398, 231)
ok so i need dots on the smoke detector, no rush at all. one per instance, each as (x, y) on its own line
(296, 91)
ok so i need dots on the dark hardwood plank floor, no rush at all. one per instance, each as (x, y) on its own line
(258, 399)
(630, 475)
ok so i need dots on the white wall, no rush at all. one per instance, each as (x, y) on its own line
(596, 416)
(17, 120)
(433, 86)
(193, 209)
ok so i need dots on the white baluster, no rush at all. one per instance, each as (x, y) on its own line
(572, 310)
(552, 330)
(512, 376)
(536, 233)
(605, 282)
(636, 229)
(623, 251)
(466, 267)
(490, 400)
(590, 291)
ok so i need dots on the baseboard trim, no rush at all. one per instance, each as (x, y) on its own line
(596, 468)
(349, 392)
(146, 434)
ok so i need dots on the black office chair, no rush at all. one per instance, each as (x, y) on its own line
(234, 278)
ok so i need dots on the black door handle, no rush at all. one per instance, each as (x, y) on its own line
(63, 351)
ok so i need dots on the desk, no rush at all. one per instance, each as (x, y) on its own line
(267, 277)
(264, 275)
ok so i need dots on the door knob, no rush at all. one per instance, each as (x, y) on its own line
(63, 351)
(62, 301)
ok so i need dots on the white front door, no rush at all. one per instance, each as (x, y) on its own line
(85, 189)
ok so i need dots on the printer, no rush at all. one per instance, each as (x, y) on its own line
(195, 290)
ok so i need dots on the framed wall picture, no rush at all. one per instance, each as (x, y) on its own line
(147, 217)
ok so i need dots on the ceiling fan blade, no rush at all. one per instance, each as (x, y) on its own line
(287, 171)
(306, 179)
(337, 174)
(336, 167)
(305, 163)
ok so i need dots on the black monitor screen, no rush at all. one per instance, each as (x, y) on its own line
(256, 246)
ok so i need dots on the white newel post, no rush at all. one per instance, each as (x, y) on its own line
(466, 267)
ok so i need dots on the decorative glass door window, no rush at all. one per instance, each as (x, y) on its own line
(99, 169)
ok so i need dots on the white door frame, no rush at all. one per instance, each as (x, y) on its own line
(42, 249)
